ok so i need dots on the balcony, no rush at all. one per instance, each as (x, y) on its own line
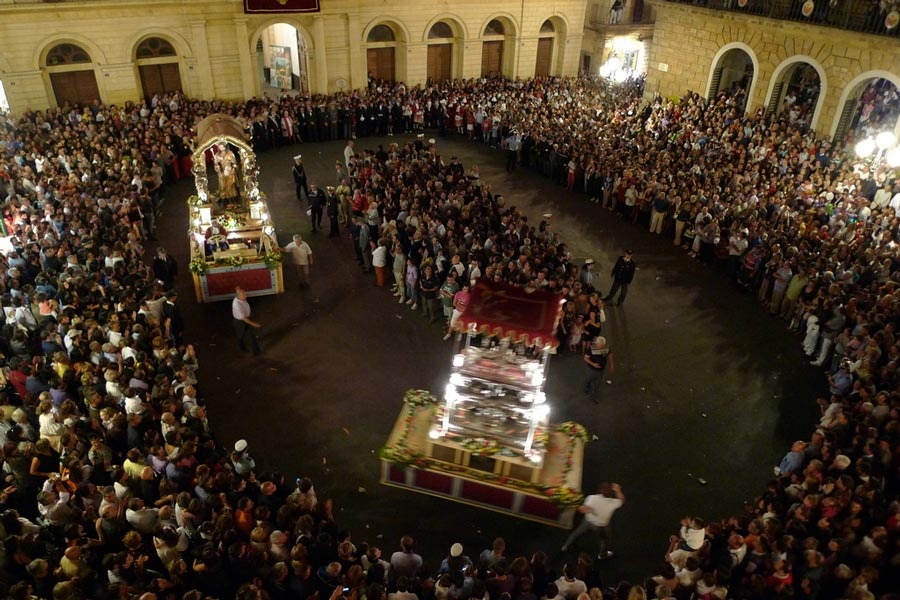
(866, 16)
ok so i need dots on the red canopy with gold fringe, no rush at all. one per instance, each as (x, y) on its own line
(512, 312)
(280, 6)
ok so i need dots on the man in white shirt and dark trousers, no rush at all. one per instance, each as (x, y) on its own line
(598, 510)
(243, 324)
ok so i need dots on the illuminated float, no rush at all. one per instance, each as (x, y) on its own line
(230, 231)
(489, 441)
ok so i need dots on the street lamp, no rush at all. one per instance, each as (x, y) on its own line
(884, 145)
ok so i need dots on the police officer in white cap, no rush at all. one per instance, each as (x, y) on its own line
(299, 174)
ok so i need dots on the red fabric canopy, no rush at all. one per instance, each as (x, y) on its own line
(508, 311)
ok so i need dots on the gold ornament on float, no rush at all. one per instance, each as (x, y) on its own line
(808, 7)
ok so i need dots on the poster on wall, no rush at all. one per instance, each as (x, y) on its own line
(280, 6)
(281, 67)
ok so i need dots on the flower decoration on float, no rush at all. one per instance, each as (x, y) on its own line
(273, 259)
(419, 398)
(198, 265)
(575, 430)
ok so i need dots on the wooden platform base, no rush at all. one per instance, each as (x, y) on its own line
(552, 497)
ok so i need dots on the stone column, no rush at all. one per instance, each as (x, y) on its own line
(207, 88)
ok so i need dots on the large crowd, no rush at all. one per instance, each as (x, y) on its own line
(117, 488)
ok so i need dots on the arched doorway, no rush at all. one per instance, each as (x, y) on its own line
(441, 49)
(796, 93)
(381, 55)
(732, 74)
(872, 105)
(157, 63)
(543, 64)
(493, 38)
(72, 75)
(282, 60)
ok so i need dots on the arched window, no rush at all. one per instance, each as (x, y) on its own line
(440, 30)
(495, 27)
(154, 48)
(381, 33)
(548, 27)
(67, 54)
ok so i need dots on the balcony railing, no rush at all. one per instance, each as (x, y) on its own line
(868, 16)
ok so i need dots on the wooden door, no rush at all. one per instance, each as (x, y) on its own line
(160, 79)
(492, 57)
(439, 61)
(380, 63)
(74, 87)
(544, 55)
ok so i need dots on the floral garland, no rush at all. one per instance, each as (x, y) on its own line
(198, 265)
(273, 259)
(574, 429)
(480, 446)
(234, 261)
(419, 398)
(233, 220)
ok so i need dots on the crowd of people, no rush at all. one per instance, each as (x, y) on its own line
(116, 487)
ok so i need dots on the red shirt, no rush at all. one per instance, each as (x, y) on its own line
(461, 301)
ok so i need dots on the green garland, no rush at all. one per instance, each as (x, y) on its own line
(273, 259)
(198, 266)
(420, 398)
(574, 429)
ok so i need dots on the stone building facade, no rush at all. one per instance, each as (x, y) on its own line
(695, 48)
(114, 49)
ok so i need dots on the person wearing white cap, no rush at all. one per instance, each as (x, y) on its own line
(299, 174)
(456, 562)
(243, 463)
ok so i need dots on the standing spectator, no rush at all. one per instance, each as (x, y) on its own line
(332, 209)
(615, 12)
(596, 357)
(243, 324)
(405, 562)
(301, 257)
(623, 275)
(298, 172)
(598, 510)
(398, 267)
(379, 261)
(428, 286)
(316, 206)
(165, 268)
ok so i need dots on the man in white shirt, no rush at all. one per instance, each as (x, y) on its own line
(142, 518)
(301, 256)
(598, 510)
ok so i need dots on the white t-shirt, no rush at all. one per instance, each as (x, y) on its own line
(601, 509)
(299, 253)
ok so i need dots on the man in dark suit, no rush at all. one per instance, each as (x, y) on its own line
(622, 274)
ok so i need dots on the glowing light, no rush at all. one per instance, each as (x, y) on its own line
(620, 76)
(540, 398)
(535, 458)
(542, 411)
(885, 140)
(892, 157)
(459, 360)
(434, 434)
(456, 379)
(865, 148)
